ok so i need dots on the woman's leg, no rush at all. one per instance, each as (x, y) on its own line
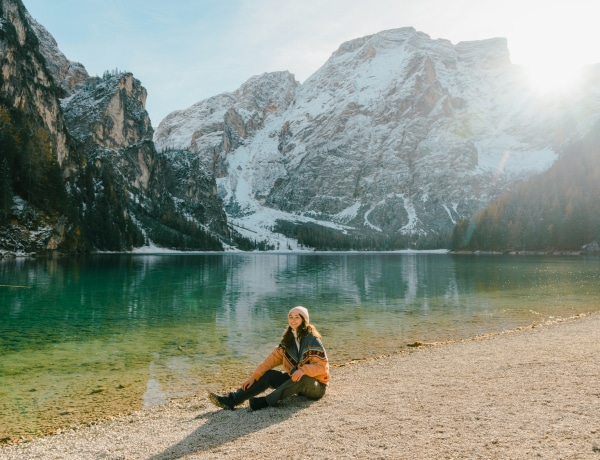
(308, 386)
(271, 379)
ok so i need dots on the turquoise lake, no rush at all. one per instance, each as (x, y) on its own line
(88, 337)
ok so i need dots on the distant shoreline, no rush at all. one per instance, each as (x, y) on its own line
(155, 251)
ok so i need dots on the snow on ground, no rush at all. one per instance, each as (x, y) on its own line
(367, 222)
(449, 213)
(349, 213)
(259, 227)
(412, 215)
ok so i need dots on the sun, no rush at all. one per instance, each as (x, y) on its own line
(553, 77)
(554, 41)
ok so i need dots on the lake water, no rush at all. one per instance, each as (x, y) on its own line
(95, 336)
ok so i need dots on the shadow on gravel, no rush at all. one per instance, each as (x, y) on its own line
(222, 426)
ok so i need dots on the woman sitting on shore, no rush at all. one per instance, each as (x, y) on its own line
(304, 359)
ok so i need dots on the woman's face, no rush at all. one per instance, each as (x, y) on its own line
(294, 320)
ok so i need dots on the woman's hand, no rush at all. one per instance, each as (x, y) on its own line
(248, 383)
(297, 375)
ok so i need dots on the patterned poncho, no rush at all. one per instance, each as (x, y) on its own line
(311, 359)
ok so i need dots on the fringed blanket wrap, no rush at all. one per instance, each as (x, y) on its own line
(311, 359)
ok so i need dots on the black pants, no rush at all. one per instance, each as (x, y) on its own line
(284, 387)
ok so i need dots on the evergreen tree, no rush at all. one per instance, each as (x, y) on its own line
(6, 192)
(42, 179)
(7, 156)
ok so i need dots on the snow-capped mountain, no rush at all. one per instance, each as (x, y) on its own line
(396, 134)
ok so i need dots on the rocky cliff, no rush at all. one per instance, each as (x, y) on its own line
(26, 84)
(396, 137)
(117, 192)
(220, 125)
(68, 75)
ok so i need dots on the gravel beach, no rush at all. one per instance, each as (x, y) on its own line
(532, 393)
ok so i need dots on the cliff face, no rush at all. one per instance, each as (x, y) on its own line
(26, 84)
(117, 192)
(108, 119)
(109, 113)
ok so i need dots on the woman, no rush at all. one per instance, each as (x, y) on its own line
(305, 362)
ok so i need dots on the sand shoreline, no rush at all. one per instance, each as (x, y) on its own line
(534, 393)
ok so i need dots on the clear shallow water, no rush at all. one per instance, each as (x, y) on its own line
(89, 337)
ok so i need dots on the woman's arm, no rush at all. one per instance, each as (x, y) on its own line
(273, 360)
(315, 367)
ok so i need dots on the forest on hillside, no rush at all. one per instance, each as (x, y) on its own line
(322, 238)
(28, 167)
(93, 208)
(29, 170)
(558, 210)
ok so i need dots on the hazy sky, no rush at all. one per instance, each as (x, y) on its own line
(184, 51)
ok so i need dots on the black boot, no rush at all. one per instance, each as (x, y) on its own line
(258, 403)
(225, 402)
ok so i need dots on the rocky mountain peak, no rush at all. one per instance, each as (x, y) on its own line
(484, 53)
(221, 123)
(109, 111)
(68, 75)
(396, 135)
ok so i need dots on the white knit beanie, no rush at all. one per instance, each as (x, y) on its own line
(302, 312)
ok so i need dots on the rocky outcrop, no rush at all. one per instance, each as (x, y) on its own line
(68, 75)
(116, 192)
(109, 112)
(26, 84)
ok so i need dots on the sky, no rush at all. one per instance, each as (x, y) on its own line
(184, 51)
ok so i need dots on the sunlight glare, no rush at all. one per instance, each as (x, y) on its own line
(553, 77)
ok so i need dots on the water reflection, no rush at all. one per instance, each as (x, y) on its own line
(122, 330)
